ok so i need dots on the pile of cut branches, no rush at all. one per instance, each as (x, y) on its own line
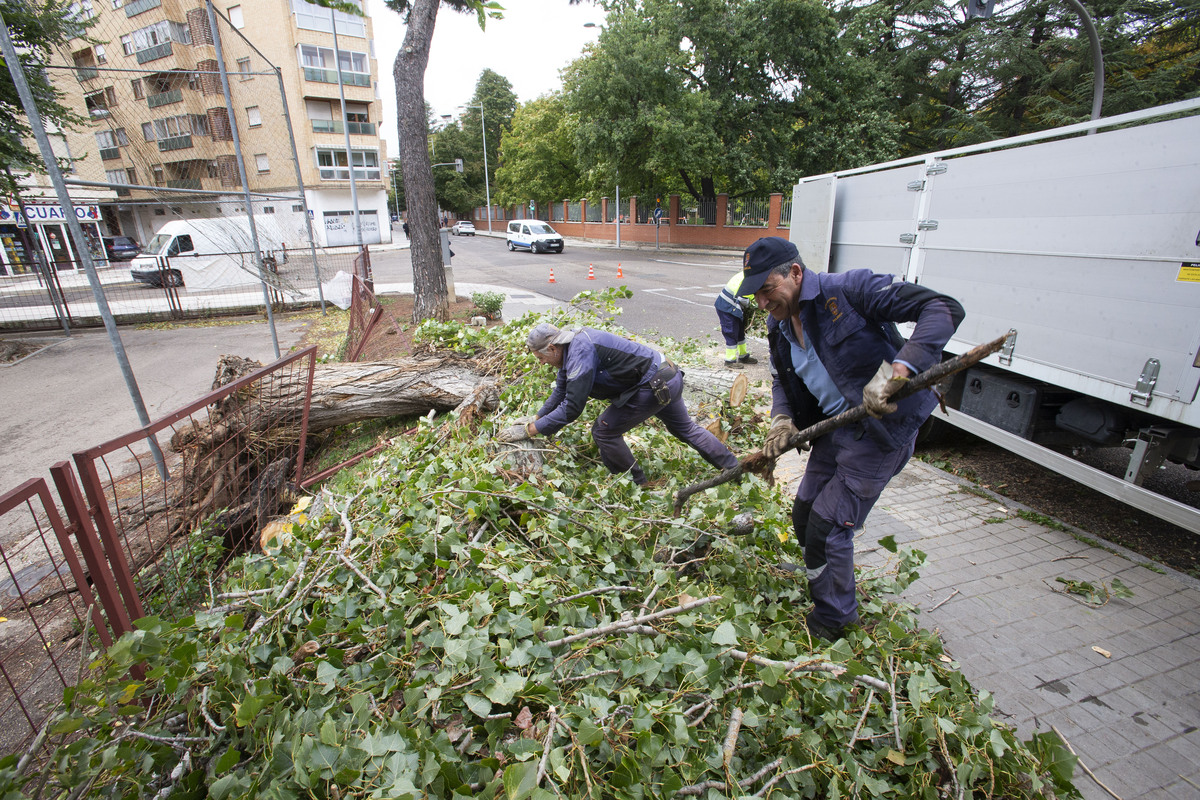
(438, 629)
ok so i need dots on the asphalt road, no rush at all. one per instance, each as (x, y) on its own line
(673, 291)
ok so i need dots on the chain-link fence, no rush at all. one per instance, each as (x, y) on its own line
(196, 165)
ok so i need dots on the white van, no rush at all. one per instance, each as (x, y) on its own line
(534, 234)
(208, 253)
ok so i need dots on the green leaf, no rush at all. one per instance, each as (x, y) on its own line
(725, 634)
(480, 706)
(520, 779)
(588, 733)
(228, 760)
(888, 543)
(504, 688)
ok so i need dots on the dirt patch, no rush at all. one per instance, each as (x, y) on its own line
(1058, 498)
(15, 349)
(392, 337)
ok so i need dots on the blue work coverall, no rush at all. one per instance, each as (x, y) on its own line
(849, 318)
(610, 367)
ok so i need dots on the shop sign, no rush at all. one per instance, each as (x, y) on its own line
(11, 213)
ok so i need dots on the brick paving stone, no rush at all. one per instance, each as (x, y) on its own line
(1134, 718)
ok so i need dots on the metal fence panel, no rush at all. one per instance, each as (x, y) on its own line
(28, 301)
(748, 212)
(45, 599)
(211, 473)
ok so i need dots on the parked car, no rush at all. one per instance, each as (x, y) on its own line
(534, 234)
(121, 248)
(463, 228)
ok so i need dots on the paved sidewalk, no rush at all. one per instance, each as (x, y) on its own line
(989, 586)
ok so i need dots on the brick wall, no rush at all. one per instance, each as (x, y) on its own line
(719, 235)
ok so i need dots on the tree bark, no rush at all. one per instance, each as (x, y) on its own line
(430, 295)
(345, 393)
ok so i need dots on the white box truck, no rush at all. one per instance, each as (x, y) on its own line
(211, 253)
(1086, 241)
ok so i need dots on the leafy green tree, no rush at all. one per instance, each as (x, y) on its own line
(708, 96)
(36, 28)
(538, 154)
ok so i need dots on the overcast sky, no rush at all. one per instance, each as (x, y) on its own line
(529, 46)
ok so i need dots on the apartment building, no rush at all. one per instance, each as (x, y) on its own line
(150, 84)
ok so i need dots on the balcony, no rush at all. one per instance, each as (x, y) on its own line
(153, 53)
(140, 6)
(320, 75)
(184, 183)
(87, 73)
(343, 174)
(109, 153)
(174, 143)
(335, 126)
(164, 98)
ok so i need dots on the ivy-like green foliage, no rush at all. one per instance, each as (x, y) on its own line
(431, 587)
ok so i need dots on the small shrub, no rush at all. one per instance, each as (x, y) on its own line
(490, 303)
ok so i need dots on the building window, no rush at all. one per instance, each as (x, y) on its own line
(253, 116)
(214, 169)
(244, 68)
(235, 16)
(148, 131)
(127, 45)
(333, 167)
(118, 4)
(111, 138)
(154, 41)
(101, 58)
(132, 173)
(263, 164)
(298, 208)
(99, 103)
(118, 176)
(312, 17)
(320, 65)
(139, 91)
(268, 209)
(157, 171)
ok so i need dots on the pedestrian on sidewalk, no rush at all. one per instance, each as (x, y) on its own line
(833, 343)
(405, 227)
(734, 310)
(640, 382)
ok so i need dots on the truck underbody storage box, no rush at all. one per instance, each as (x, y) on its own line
(1000, 400)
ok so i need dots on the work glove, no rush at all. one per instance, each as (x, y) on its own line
(782, 429)
(514, 433)
(880, 388)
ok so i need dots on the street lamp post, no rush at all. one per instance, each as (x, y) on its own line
(486, 186)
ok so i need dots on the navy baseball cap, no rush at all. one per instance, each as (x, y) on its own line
(763, 256)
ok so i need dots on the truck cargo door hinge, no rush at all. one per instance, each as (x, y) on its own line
(936, 168)
(1144, 390)
(927, 224)
(916, 186)
(1010, 344)
(908, 238)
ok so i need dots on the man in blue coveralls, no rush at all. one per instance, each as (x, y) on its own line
(833, 344)
(640, 382)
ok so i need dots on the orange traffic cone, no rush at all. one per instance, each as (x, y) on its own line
(619, 273)
(552, 276)
(591, 273)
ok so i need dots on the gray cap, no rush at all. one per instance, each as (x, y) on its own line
(544, 334)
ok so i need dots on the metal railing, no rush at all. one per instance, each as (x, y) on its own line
(153, 53)
(164, 98)
(140, 6)
(748, 212)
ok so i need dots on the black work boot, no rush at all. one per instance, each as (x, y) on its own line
(747, 359)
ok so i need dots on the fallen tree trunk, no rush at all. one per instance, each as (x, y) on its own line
(345, 393)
